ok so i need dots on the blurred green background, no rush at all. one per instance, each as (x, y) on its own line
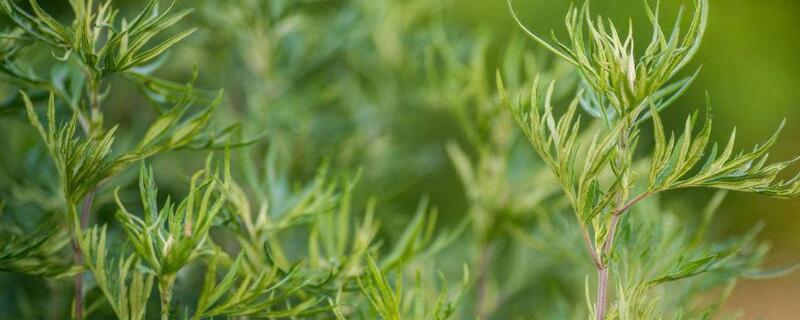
(749, 69)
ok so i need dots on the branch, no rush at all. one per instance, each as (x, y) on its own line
(622, 209)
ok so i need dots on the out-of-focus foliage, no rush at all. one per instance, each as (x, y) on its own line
(360, 163)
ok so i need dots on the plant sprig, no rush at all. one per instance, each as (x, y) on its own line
(599, 177)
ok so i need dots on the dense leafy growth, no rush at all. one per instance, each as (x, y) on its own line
(300, 209)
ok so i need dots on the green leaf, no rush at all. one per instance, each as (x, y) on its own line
(82, 163)
(34, 253)
(125, 287)
(168, 239)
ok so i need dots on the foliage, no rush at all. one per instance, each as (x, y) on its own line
(359, 158)
(599, 176)
(34, 253)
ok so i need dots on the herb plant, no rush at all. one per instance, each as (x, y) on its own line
(598, 171)
(312, 186)
(260, 281)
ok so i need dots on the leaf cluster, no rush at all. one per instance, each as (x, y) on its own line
(34, 253)
(617, 80)
(97, 37)
(170, 237)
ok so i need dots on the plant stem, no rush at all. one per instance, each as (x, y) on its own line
(602, 271)
(86, 208)
(484, 259)
(629, 204)
(589, 247)
(608, 243)
(165, 284)
(602, 292)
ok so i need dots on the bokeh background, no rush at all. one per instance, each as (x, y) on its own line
(749, 61)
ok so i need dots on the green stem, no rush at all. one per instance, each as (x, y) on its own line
(165, 285)
(608, 244)
(93, 92)
(86, 208)
(484, 311)
(93, 89)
